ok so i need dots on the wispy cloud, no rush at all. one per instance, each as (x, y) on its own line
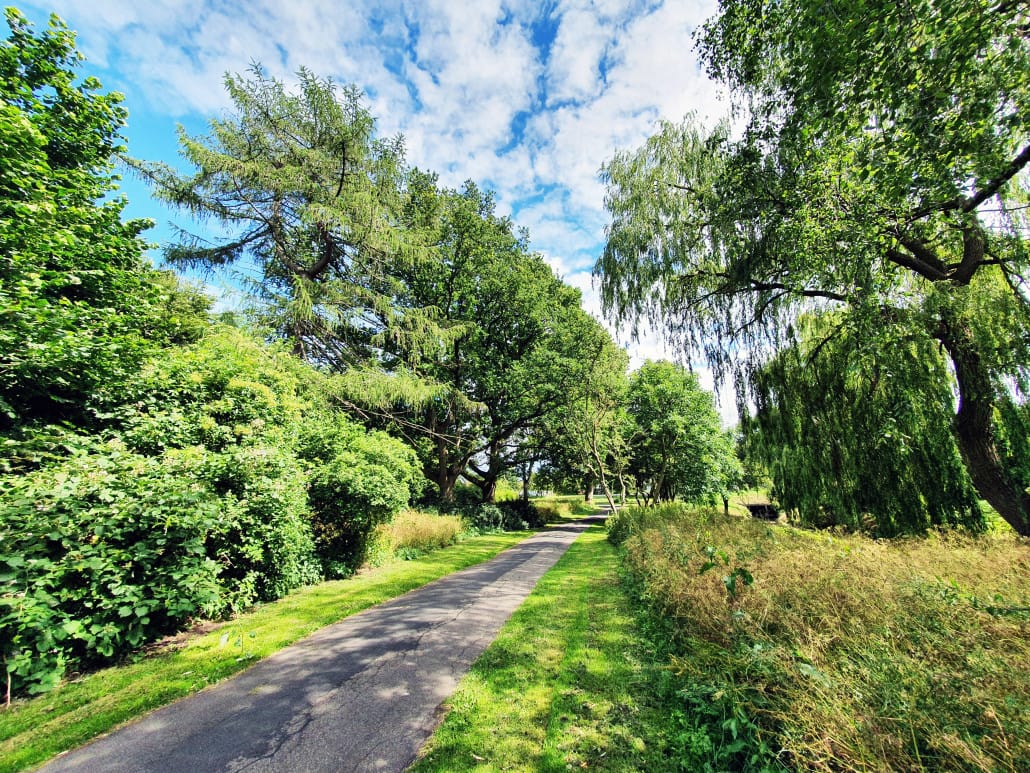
(524, 97)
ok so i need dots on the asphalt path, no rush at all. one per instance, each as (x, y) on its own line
(360, 695)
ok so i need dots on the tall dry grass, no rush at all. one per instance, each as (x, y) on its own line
(845, 653)
(412, 532)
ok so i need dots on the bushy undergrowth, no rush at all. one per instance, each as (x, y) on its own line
(800, 650)
(220, 479)
(508, 514)
(359, 480)
(100, 554)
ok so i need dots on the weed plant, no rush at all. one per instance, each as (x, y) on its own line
(804, 650)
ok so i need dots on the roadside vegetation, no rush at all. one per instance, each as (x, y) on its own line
(570, 683)
(855, 260)
(34, 729)
(796, 649)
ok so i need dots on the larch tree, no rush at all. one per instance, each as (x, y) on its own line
(311, 198)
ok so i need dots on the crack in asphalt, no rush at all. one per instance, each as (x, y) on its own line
(360, 695)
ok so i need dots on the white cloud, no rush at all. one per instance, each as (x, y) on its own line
(465, 82)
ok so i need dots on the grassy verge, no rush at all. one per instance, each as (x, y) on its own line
(569, 683)
(32, 731)
(826, 652)
(562, 508)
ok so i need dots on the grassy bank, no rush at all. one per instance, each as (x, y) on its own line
(559, 508)
(802, 650)
(32, 731)
(568, 684)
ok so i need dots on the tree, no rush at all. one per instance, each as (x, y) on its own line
(515, 344)
(77, 298)
(584, 440)
(852, 436)
(312, 198)
(677, 447)
(879, 174)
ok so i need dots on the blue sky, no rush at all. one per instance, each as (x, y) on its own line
(526, 98)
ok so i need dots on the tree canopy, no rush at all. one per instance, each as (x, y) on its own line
(312, 198)
(677, 447)
(518, 338)
(78, 300)
(880, 174)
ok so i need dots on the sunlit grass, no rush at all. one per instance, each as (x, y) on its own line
(562, 508)
(32, 731)
(568, 684)
(844, 653)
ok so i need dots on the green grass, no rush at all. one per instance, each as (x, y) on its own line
(564, 508)
(830, 652)
(569, 683)
(33, 731)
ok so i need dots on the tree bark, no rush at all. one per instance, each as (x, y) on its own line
(974, 428)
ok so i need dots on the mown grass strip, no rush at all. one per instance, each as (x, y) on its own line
(33, 731)
(569, 683)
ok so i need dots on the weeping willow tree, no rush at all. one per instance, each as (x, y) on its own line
(880, 173)
(311, 199)
(852, 435)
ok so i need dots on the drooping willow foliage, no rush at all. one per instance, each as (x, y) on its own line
(853, 436)
(880, 174)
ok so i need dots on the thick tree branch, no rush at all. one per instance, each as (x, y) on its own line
(967, 204)
(972, 255)
(921, 260)
(995, 185)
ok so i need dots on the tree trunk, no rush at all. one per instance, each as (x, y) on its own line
(974, 429)
(600, 471)
(446, 483)
(527, 474)
(489, 489)
(588, 488)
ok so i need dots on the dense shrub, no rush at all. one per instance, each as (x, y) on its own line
(510, 515)
(98, 555)
(263, 539)
(236, 402)
(526, 514)
(223, 469)
(359, 479)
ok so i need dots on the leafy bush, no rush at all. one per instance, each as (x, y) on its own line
(98, 555)
(235, 402)
(263, 540)
(485, 517)
(524, 513)
(359, 480)
(510, 515)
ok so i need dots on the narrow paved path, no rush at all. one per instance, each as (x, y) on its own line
(360, 695)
